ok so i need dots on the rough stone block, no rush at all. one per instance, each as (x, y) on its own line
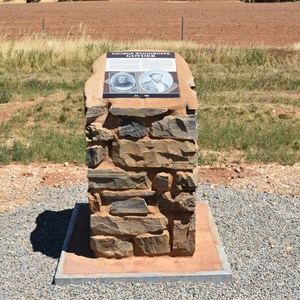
(184, 237)
(96, 132)
(152, 244)
(132, 128)
(136, 207)
(163, 181)
(95, 111)
(110, 247)
(137, 112)
(94, 202)
(117, 179)
(95, 155)
(187, 180)
(128, 194)
(177, 127)
(169, 154)
(130, 141)
(183, 202)
(105, 224)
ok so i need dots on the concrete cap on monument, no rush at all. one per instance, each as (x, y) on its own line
(140, 84)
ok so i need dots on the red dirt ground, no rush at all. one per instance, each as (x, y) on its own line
(234, 23)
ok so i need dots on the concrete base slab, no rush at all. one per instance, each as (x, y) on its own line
(77, 265)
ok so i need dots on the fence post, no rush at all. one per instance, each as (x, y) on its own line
(182, 27)
(43, 26)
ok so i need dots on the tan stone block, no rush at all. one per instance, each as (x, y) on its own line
(103, 223)
(94, 202)
(169, 154)
(183, 202)
(94, 104)
(95, 132)
(152, 244)
(184, 237)
(187, 180)
(110, 247)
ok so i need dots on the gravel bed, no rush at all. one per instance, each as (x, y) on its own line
(260, 233)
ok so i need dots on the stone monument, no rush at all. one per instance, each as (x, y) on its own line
(141, 131)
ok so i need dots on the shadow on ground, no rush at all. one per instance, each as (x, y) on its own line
(50, 232)
(51, 229)
(80, 241)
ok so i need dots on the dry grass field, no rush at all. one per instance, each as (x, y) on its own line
(220, 22)
(245, 59)
(248, 99)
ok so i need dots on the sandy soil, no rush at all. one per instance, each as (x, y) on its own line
(17, 182)
(274, 24)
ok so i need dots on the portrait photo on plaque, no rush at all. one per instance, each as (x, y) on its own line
(141, 74)
(156, 81)
(122, 82)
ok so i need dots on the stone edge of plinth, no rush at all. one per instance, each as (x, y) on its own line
(223, 275)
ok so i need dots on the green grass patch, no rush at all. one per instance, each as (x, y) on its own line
(5, 90)
(46, 145)
(261, 136)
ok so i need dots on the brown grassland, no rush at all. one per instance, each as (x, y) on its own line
(246, 64)
(225, 22)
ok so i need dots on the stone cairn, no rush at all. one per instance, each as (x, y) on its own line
(142, 170)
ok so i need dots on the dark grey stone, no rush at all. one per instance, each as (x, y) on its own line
(136, 207)
(177, 127)
(162, 181)
(94, 155)
(95, 111)
(117, 180)
(133, 128)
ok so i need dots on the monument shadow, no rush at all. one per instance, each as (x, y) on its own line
(51, 230)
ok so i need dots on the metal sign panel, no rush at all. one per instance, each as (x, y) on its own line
(141, 74)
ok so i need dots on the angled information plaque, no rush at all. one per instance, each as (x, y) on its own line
(141, 74)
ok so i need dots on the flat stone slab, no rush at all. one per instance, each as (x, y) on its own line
(104, 223)
(137, 207)
(117, 179)
(77, 265)
(127, 193)
(170, 154)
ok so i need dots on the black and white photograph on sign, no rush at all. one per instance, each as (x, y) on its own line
(156, 81)
(122, 81)
(141, 74)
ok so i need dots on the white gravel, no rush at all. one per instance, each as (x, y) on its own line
(260, 233)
